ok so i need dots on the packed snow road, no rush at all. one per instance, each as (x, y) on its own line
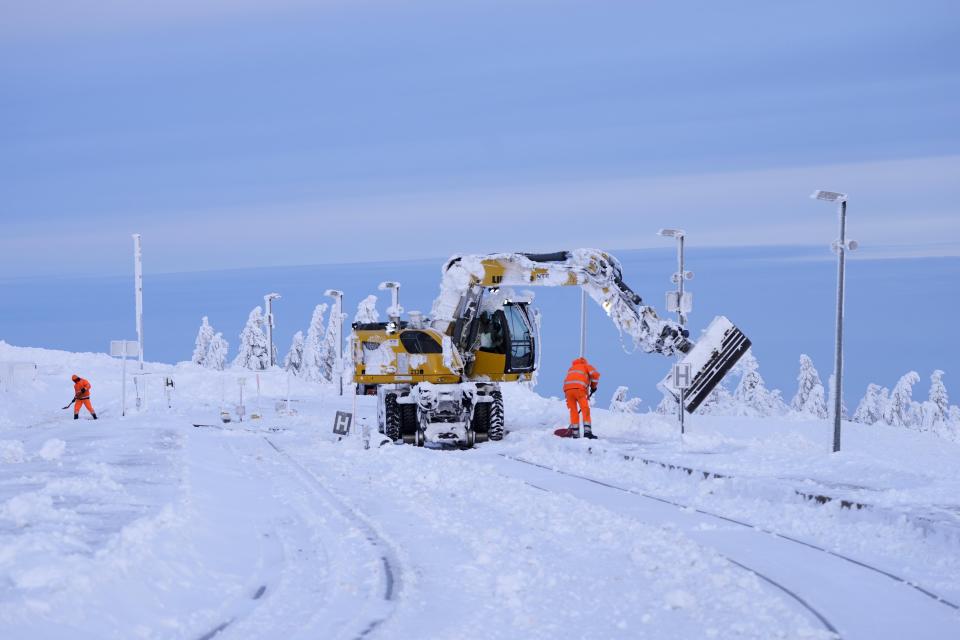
(151, 527)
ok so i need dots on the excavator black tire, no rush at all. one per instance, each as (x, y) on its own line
(496, 430)
(481, 418)
(408, 419)
(392, 417)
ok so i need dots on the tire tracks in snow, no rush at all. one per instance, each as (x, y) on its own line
(742, 523)
(390, 568)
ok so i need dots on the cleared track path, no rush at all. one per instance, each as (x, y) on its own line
(853, 599)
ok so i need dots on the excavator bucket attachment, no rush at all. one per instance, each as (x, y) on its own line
(715, 353)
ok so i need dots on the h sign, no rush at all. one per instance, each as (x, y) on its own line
(682, 375)
(341, 423)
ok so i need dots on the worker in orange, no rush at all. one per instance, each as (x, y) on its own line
(81, 397)
(581, 383)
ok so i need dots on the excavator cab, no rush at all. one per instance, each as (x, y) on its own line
(505, 342)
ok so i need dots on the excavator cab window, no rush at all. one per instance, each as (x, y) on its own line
(521, 355)
(491, 332)
(419, 342)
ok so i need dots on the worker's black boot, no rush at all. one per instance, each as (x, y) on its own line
(76, 416)
(95, 416)
(588, 432)
(574, 431)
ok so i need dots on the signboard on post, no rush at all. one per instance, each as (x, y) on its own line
(342, 422)
(682, 375)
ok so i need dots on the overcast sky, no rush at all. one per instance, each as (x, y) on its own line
(245, 133)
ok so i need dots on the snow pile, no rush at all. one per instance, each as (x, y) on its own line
(52, 449)
(11, 451)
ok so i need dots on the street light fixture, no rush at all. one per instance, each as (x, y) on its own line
(840, 246)
(395, 309)
(268, 299)
(338, 314)
(679, 301)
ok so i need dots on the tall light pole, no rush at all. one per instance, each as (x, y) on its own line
(138, 292)
(840, 246)
(395, 309)
(268, 300)
(679, 301)
(338, 314)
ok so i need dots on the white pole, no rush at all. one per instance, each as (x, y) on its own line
(682, 319)
(583, 322)
(267, 299)
(123, 384)
(138, 288)
(339, 365)
(838, 361)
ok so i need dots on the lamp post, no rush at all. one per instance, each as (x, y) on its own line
(268, 300)
(138, 292)
(679, 301)
(395, 309)
(840, 246)
(338, 314)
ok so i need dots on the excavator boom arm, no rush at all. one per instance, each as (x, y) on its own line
(466, 278)
(597, 272)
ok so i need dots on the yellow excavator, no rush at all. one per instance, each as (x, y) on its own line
(437, 378)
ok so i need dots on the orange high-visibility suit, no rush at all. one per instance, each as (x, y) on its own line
(81, 391)
(581, 378)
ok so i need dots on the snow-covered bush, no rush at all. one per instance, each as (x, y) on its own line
(216, 357)
(619, 403)
(202, 343)
(668, 406)
(810, 395)
(294, 360)
(253, 352)
(901, 410)
(873, 405)
(312, 369)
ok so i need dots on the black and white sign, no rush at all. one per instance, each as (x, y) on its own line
(342, 422)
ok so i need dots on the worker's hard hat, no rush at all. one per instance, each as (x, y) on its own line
(74, 377)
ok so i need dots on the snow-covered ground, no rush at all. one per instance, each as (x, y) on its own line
(147, 526)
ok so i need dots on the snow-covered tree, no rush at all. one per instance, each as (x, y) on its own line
(312, 369)
(367, 310)
(253, 351)
(328, 348)
(871, 407)
(938, 398)
(900, 410)
(752, 396)
(202, 343)
(216, 356)
(619, 403)
(809, 398)
(719, 402)
(667, 406)
(294, 360)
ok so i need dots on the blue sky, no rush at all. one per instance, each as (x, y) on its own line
(244, 134)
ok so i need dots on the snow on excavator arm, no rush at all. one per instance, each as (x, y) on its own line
(600, 275)
(597, 272)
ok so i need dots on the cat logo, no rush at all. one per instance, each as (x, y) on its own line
(496, 279)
